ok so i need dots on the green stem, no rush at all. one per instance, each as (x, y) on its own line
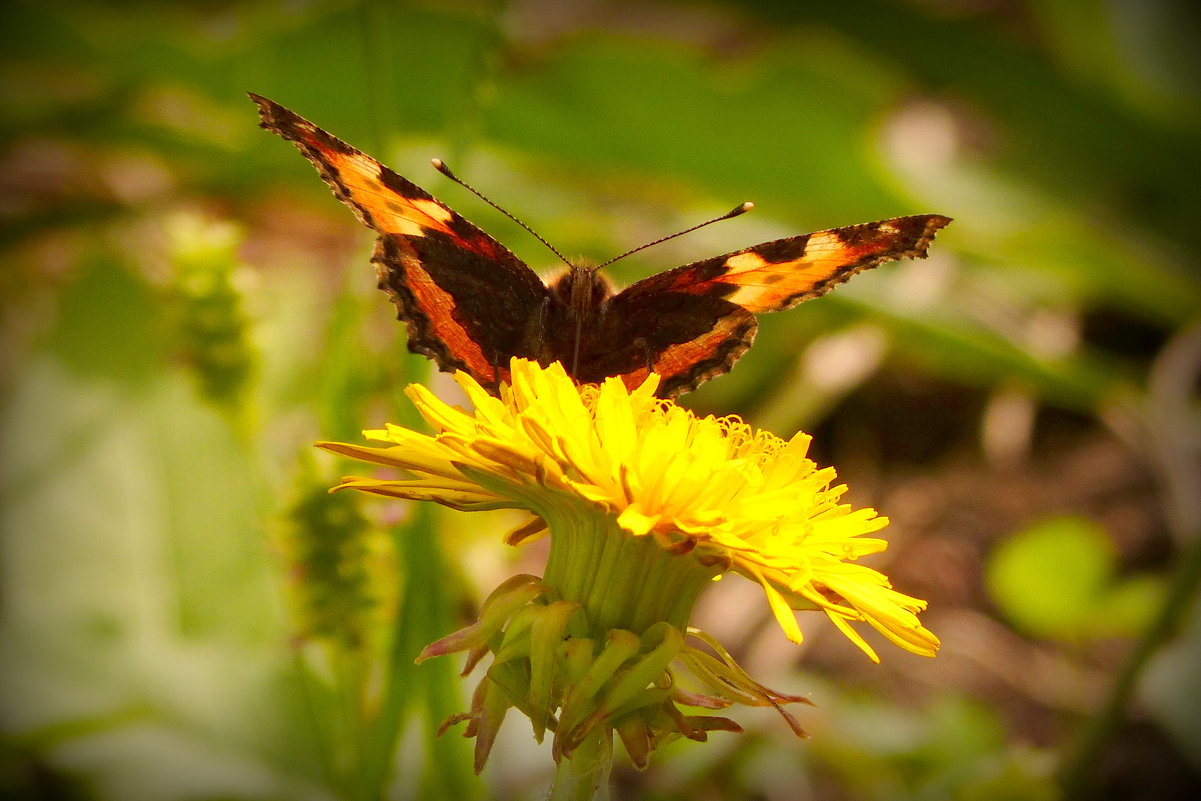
(351, 725)
(1078, 775)
(1167, 409)
(584, 776)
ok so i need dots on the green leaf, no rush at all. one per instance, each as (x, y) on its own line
(108, 328)
(1129, 605)
(1049, 578)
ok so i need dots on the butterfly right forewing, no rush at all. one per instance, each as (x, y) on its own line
(695, 321)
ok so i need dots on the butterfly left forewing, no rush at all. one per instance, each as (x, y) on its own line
(383, 200)
(468, 302)
(715, 300)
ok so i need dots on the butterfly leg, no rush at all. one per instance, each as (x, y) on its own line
(645, 347)
(539, 333)
(543, 316)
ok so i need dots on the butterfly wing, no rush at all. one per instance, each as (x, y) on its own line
(468, 302)
(692, 323)
(686, 338)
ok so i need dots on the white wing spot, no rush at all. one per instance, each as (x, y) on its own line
(823, 240)
(744, 262)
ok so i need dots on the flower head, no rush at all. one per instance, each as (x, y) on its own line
(645, 503)
(729, 497)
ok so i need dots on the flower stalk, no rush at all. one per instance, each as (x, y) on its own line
(584, 776)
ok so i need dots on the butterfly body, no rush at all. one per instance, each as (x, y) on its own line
(470, 304)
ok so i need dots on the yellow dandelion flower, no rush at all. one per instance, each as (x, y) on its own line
(645, 504)
(711, 487)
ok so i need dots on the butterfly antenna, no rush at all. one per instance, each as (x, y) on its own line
(742, 208)
(441, 167)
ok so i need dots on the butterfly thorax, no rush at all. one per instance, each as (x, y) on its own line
(580, 295)
(575, 314)
(582, 289)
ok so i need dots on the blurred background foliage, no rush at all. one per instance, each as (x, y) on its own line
(187, 615)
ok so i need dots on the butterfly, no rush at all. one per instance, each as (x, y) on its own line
(470, 304)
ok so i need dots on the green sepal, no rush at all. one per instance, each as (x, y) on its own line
(546, 636)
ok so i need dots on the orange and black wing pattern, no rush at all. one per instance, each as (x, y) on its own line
(469, 303)
(692, 323)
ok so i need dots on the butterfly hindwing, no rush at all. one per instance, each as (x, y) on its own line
(685, 338)
(468, 302)
(716, 299)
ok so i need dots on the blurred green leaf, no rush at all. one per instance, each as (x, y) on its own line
(617, 103)
(965, 353)
(1129, 605)
(954, 747)
(109, 327)
(1049, 578)
(1169, 688)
